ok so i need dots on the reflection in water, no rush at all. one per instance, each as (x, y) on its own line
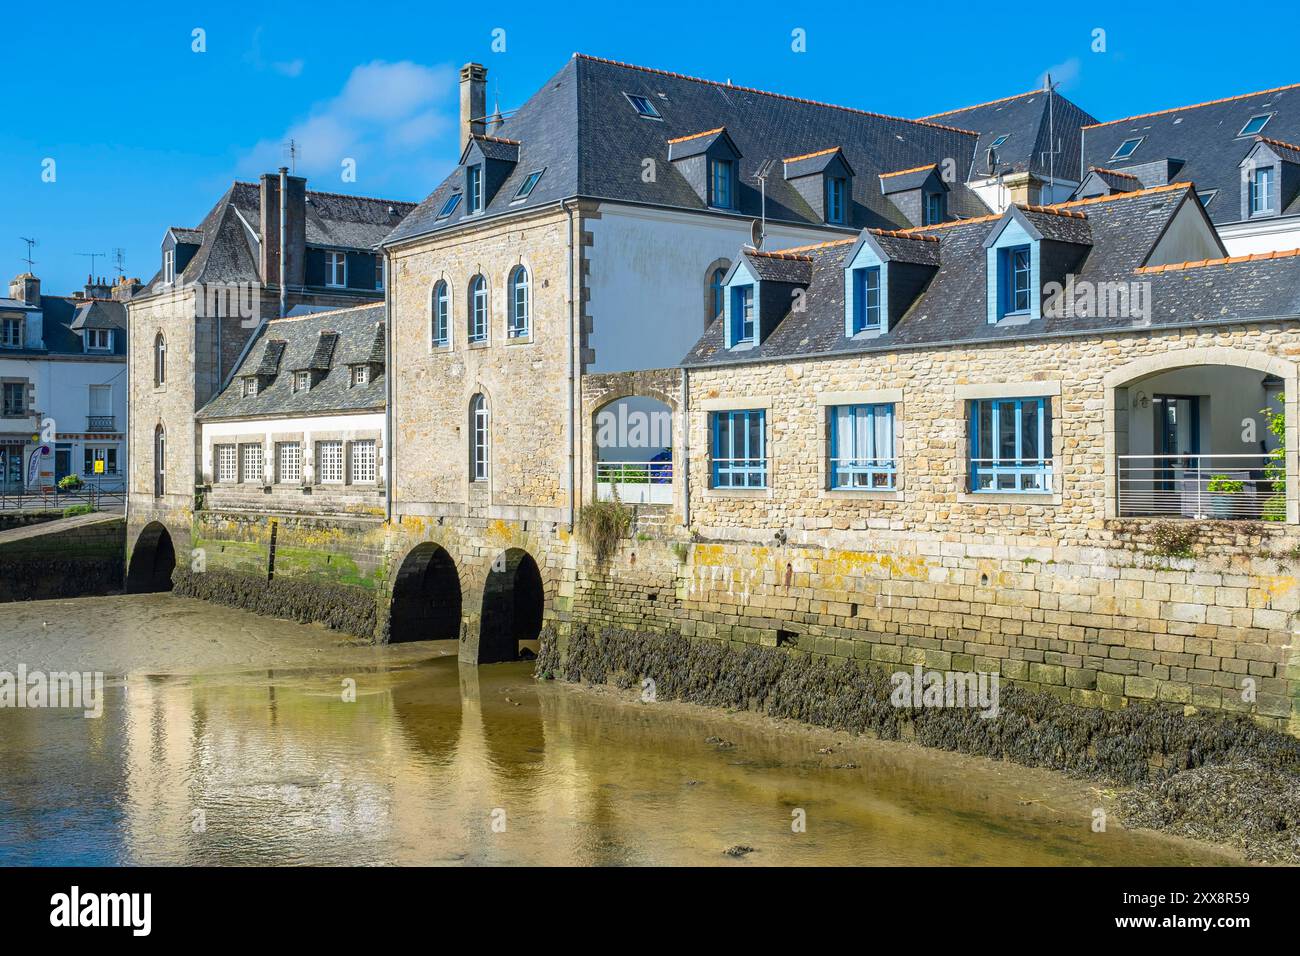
(274, 766)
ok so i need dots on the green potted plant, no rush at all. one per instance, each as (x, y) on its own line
(1221, 488)
(70, 483)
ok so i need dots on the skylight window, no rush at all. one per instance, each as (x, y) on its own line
(999, 141)
(527, 186)
(1255, 124)
(644, 108)
(1127, 148)
(449, 206)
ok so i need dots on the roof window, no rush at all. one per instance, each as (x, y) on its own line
(644, 108)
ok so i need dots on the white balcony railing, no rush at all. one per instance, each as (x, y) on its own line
(1246, 487)
(635, 482)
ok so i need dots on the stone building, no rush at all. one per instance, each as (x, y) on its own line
(195, 320)
(919, 421)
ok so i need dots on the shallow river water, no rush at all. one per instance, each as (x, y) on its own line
(226, 739)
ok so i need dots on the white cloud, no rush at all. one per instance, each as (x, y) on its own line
(385, 118)
(1064, 74)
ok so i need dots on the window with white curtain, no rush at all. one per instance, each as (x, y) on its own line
(862, 447)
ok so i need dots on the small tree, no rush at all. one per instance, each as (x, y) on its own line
(1275, 467)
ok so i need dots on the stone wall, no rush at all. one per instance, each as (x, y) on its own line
(69, 557)
(525, 380)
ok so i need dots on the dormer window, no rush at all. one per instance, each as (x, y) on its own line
(644, 108)
(742, 315)
(474, 189)
(11, 333)
(360, 375)
(250, 386)
(1015, 263)
(936, 208)
(1127, 148)
(379, 273)
(169, 265)
(449, 206)
(336, 270)
(722, 174)
(836, 188)
(302, 381)
(99, 340)
(1261, 190)
(866, 299)
(1255, 124)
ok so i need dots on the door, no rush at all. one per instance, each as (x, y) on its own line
(1177, 441)
(62, 462)
(11, 468)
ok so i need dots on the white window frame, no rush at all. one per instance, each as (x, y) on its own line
(1135, 140)
(93, 336)
(364, 455)
(169, 266)
(11, 334)
(302, 381)
(252, 462)
(288, 462)
(225, 463)
(325, 475)
(360, 375)
(336, 263)
(480, 439)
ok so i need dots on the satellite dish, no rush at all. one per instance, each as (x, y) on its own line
(756, 234)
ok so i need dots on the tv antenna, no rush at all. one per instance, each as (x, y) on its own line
(119, 261)
(1053, 146)
(31, 244)
(291, 148)
(92, 256)
(758, 231)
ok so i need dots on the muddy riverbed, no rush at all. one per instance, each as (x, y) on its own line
(232, 739)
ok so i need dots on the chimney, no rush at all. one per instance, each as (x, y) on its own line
(473, 101)
(97, 290)
(126, 289)
(26, 288)
(295, 260)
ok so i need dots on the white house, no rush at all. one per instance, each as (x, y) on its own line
(63, 385)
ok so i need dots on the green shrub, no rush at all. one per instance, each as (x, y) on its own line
(1275, 469)
(70, 483)
(601, 524)
(1223, 485)
(73, 510)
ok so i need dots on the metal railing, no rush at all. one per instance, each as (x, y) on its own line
(1011, 475)
(100, 497)
(863, 474)
(635, 482)
(100, 423)
(1243, 487)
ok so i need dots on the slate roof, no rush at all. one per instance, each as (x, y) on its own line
(582, 130)
(1123, 229)
(1023, 119)
(1204, 137)
(229, 234)
(63, 318)
(296, 343)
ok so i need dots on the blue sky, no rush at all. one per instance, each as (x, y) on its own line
(145, 133)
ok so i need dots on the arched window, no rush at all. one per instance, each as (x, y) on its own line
(478, 309)
(159, 459)
(520, 308)
(715, 294)
(441, 333)
(479, 436)
(159, 359)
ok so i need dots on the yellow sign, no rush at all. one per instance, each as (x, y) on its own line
(99, 466)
